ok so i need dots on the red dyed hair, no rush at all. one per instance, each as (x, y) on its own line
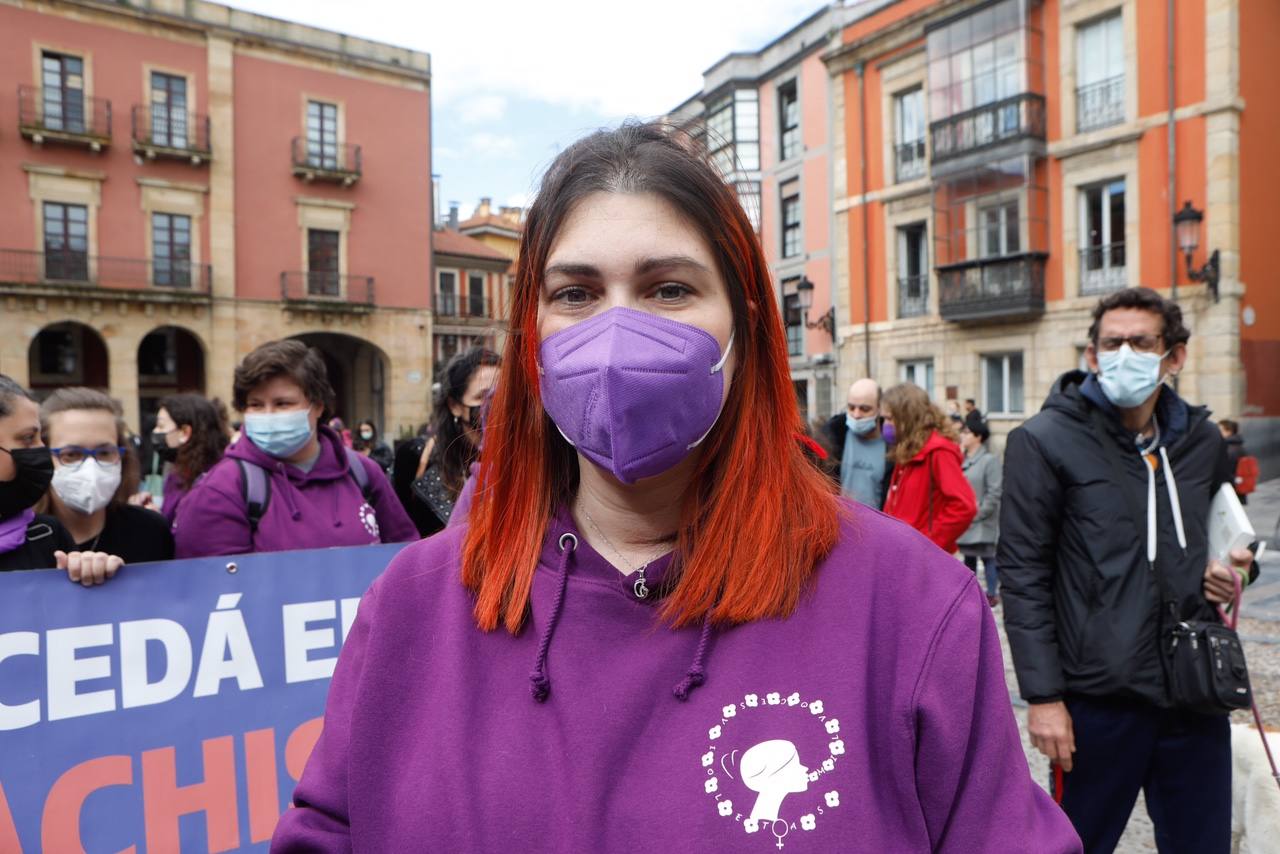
(758, 517)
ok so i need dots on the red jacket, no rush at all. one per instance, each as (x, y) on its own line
(930, 493)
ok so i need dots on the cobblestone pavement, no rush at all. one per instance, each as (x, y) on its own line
(1260, 629)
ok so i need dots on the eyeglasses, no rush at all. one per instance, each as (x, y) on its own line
(72, 456)
(1138, 343)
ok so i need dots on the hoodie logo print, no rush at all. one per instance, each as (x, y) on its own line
(369, 519)
(778, 779)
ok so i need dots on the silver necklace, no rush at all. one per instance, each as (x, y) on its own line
(640, 588)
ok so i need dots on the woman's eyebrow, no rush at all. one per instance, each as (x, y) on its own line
(669, 262)
(583, 271)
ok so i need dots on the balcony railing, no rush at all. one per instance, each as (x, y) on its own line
(1019, 117)
(452, 305)
(315, 286)
(68, 267)
(1007, 287)
(1100, 104)
(1102, 268)
(340, 163)
(913, 296)
(64, 115)
(909, 160)
(159, 132)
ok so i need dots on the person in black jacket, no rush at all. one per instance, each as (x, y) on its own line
(1103, 545)
(859, 463)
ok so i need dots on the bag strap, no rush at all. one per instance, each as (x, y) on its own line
(359, 473)
(255, 488)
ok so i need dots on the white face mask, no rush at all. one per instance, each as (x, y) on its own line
(89, 488)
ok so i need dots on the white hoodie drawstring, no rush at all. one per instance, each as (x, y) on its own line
(1171, 486)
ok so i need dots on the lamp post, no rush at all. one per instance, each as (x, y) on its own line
(1186, 225)
(804, 291)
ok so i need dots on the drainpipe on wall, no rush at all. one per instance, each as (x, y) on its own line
(866, 236)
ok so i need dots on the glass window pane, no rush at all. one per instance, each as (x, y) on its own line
(1016, 403)
(994, 379)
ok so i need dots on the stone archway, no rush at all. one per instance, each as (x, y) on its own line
(67, 354)
(358, 372)
(171, 359)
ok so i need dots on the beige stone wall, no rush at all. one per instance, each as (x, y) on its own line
(227, 330)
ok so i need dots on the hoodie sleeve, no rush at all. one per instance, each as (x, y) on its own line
(1029, 516)
(394, 523)
(212, 518)
(955, 505)
(320, 820)
(972, 779)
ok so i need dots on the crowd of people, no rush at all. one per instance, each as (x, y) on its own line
(629, 503)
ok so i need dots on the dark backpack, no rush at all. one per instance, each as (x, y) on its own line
(255, 486)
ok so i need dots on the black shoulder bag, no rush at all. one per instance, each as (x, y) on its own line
(1203, 660)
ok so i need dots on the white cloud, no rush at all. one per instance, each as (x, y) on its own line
(481, 109)
(618, 60)
(491, 145)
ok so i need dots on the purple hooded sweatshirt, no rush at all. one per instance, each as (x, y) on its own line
(172, 495)
(875, 718)
(313, 509)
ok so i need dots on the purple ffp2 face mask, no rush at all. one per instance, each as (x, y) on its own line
(631, 391)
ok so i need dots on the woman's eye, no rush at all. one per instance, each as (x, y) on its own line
(571, 295)
(671, 291)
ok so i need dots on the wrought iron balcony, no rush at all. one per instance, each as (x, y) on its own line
(909, 160)
(466, 306)
(1008, 287)
(1019, 117)
(321, 287)
(1100, 104)
(1102, 269)
(64, 115)
(160, 133)
(79, 269)
(339, 163)
(913, 296)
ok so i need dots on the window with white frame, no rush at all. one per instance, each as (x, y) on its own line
(918, 372)
(909, 126)
(792, 243)
(322, 135)
(1102, 249)
(1100, 73)
(733, 132)
(913, 271)
(788, 121)
(999, 224)
(1002, 384)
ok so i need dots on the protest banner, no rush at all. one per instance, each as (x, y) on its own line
(174, 707)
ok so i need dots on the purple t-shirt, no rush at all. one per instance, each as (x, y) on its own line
(875, 718)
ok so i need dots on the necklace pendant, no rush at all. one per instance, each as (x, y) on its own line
(640, 587)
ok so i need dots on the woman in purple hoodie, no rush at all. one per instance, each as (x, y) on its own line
(289, 482)
(658, 628)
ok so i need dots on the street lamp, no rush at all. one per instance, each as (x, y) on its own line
(804, 291)
(1186, 225)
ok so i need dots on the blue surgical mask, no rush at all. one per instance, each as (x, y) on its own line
(860, 426)
(280, 434)
(1129, 378)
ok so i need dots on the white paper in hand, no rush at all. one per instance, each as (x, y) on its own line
(1229, 527)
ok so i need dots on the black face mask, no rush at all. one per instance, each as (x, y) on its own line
(34, 471)
(162, 449)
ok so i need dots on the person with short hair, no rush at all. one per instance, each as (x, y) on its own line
(857, 446)
(659, 628)
(1103, 550)
(289, 482)
(95, 471)
(982, 470)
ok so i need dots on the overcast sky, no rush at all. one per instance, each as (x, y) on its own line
(516, 81)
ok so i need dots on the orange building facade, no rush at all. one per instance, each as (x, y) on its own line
(1000, 165)
(183, 181)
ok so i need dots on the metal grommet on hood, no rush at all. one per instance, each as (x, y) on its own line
(572, 538)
